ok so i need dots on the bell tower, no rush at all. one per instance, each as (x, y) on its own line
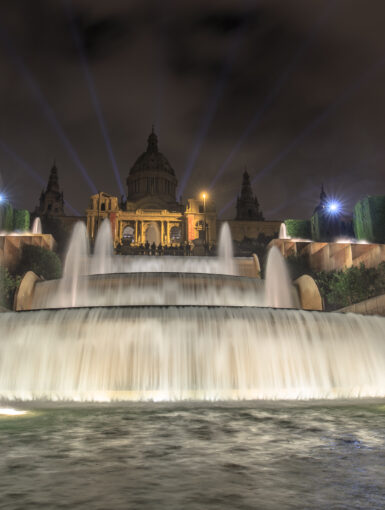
(51, 199)
(247, 203)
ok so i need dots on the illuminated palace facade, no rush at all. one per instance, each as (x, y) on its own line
(151, 213)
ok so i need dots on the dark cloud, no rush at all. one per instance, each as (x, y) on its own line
(160, 62)
(223, 23)
(101, 37)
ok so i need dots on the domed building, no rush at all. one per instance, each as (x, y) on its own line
(151, 181)
(151, 213)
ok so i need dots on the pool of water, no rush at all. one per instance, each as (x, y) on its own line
(194, 456)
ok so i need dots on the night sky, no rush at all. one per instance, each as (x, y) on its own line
(294, 90)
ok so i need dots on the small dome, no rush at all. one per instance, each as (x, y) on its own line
(152, 159)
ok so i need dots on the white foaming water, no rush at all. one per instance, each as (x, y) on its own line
(183, 352)
(77, 288)
(108, 280)
(225, 249)
(283, 232)
(102, 261)
(159, 353)
(76, 264)
(140, 289)
(278, 287)
(36, 226)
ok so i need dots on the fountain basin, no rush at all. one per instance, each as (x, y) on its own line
(122, 289)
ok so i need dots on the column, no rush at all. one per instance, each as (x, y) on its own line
(88, 225)
(161, 233)
(136, 232)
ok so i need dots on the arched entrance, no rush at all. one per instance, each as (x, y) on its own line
(152, 233)
(128, 235)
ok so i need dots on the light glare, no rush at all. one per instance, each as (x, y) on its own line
(333, 207)
(11, 412)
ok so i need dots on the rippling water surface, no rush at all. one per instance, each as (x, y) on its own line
(194, 456)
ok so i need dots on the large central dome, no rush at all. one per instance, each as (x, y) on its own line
(152, 177)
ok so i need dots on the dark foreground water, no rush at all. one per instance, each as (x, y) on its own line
(195, 456)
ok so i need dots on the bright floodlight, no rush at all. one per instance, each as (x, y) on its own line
(333, 207)
(2, 198)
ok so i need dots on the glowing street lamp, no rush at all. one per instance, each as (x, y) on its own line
(204, 195)
(2, 198)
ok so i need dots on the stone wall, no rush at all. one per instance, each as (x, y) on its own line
(248, 266)
(372, 306)
(332, 256)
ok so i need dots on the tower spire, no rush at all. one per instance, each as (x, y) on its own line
(247, 203)
(152, 146)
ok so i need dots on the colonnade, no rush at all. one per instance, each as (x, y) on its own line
(140, 227)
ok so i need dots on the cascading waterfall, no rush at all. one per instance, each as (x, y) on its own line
(173, 328)
(159, 353)
(143, 289)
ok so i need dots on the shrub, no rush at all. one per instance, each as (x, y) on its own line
(6, 218)
(369, 219)
(41, 261)
(355, 284)
(21, 220)
(8, 285)
(298, 228)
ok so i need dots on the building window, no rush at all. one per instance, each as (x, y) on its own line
(103, 207)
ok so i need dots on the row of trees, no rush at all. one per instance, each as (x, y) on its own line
(14, 220)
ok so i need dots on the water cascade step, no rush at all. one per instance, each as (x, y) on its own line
(177, 353)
